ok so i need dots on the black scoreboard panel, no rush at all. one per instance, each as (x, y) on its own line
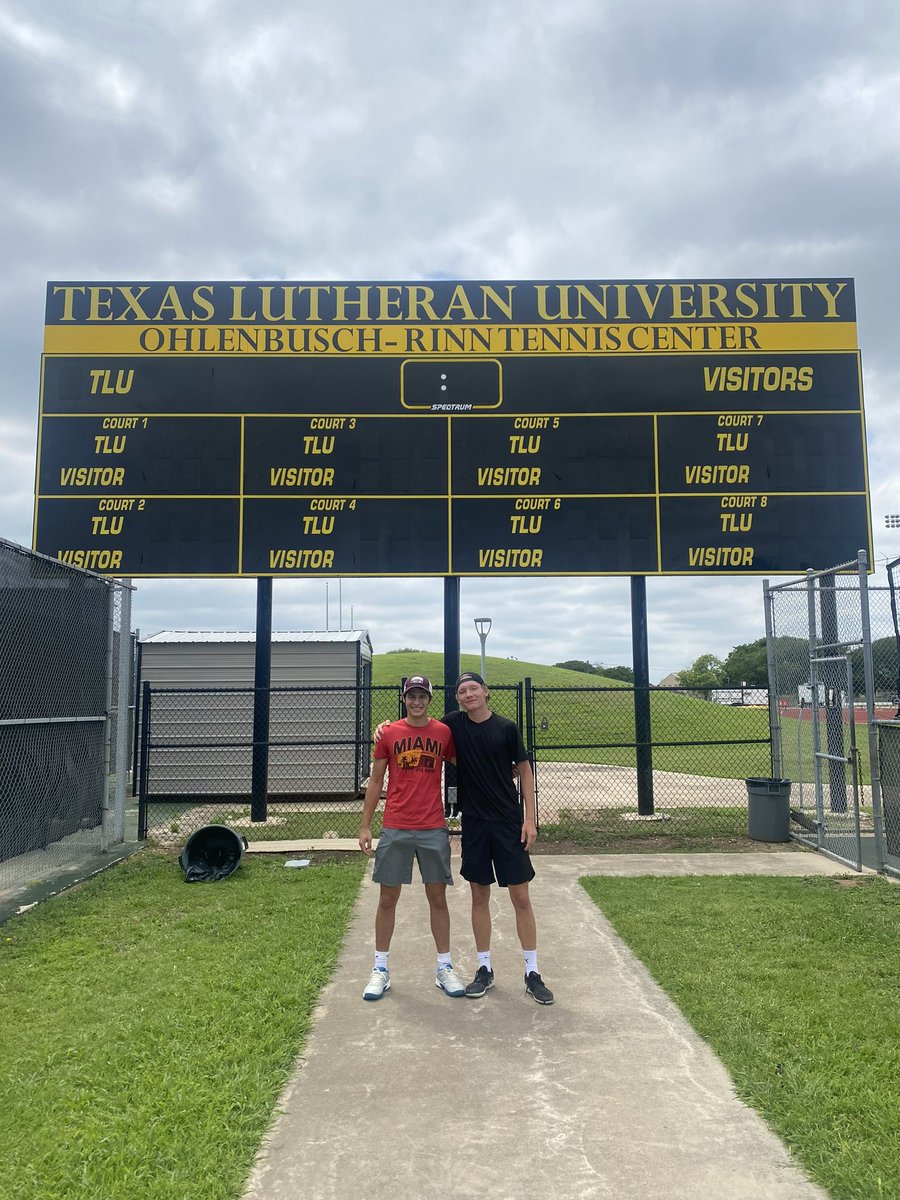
(345, 536)
(345, 456)
(437, 449)
(145, 456)
(663, 383)
(131, 535)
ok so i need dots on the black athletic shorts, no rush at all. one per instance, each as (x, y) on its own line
(494, 846)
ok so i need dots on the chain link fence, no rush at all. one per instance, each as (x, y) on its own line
(833, 669)
(196, 762)
(65, 661)
(196, 759)
(587, 772)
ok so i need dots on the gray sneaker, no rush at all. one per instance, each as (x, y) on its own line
(379, 983)
(484, 979)
(448, 980)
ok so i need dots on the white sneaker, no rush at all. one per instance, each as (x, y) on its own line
(451, 983)
(379, 983)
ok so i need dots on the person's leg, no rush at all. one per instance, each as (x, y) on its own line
(385, 916)
(481, 916)
(526, 927)
(440, 916)
(527, 931)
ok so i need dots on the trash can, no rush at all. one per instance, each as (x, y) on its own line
(212, 853)
(768, 809)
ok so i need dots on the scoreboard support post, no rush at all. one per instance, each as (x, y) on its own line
(641, 661)
(451, 671)
(262, 680)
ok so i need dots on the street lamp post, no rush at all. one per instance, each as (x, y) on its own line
(483, 628)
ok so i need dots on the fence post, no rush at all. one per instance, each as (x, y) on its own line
(144, 760)
(123, 703)
(774, 713)
(529, 738)
(107, 723)
(834, 717)
(869, 674)
(814, 700)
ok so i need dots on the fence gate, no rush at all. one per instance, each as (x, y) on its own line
(832, 651)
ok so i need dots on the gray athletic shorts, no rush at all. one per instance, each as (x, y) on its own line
(398, 847)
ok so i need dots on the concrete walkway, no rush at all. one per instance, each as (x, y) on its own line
(608, 1093)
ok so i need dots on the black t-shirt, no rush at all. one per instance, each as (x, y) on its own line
(485, 754)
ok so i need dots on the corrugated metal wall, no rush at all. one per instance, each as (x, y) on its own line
(224, 721)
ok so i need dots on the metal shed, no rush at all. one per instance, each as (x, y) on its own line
(201, 684)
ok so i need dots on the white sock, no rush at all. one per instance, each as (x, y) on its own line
(444, 960)
(484, 958)
(381, 957)
(530, 961)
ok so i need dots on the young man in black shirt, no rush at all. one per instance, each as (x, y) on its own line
(496, 835)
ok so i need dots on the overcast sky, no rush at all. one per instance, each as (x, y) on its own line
(211, 139)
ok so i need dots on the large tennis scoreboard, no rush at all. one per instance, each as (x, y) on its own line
(451, 428)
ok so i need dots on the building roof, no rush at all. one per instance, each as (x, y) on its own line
(192, 636)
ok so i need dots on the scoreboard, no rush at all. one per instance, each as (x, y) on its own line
(451, 428)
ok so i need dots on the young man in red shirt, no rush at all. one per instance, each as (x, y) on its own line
(412, 751)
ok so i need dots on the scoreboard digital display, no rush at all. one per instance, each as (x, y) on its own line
(451, 428)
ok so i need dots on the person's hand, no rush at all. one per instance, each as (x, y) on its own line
(379, 730)
(529, 834)
(365, 839)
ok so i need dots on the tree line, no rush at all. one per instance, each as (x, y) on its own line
(748, 665)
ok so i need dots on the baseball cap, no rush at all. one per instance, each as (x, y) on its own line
(470, 677)
(418, 681)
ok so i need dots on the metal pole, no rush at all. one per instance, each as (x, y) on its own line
(774, 714)
(869, 674)
(123, 703)
(262, 680)
(483, 628)
(643, 733)
(834, 717)
(451, 672)
(814, 699)
(144, 759)
(529, 743)
(107, 725)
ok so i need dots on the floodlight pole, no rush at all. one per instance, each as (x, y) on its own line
(483, 628)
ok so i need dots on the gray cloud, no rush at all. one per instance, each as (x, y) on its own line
(507, 140)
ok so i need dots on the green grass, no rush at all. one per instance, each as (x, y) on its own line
(608, 717)
(795, 983)
(149, 1025)
(694, 828)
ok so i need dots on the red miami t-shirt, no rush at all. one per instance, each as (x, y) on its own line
(415, 755)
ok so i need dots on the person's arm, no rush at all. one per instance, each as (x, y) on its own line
(373, 795)
(526, 779)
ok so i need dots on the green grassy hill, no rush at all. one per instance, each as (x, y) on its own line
(703, 738)
(390, 668)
